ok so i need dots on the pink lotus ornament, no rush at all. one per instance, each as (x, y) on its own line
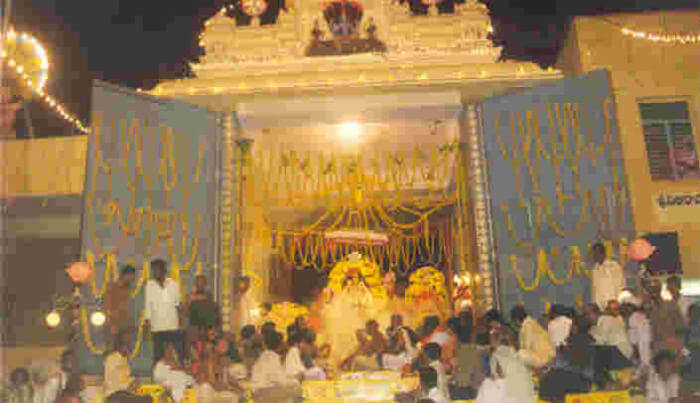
(79, 272)
(640, 249)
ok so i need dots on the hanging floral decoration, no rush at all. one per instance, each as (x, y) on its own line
(547, 263)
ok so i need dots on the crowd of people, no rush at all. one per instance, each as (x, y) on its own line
(640, 340)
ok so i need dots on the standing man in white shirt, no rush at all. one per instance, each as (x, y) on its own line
(162, 311)
(607, 280)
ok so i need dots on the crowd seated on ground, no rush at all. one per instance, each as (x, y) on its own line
(642, 343)
(483, 357)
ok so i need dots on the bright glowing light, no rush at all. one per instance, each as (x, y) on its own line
(350, 132)
(98, 318)
(53, 319)
(255, 312)
(665, 293)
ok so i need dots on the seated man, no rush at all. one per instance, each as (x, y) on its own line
(402, 353)
(269, 380)
(170, 375)
(119, 385)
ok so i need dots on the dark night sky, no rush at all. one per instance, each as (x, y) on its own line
(154, 39)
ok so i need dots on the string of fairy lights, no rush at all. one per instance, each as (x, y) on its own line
(36, 84)
(658, 37)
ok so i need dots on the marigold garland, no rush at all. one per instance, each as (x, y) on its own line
(99, 351)
(526, 149)
(543, 268)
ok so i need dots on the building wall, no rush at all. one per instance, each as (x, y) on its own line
(642, 69)
(40, 167)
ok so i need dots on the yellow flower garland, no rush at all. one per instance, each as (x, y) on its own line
(99, 351)
(544, 268)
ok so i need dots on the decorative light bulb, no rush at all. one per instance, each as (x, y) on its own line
(98, 318)
(53, 319)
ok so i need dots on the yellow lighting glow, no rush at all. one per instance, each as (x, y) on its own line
(38, 73)
(350, 132)
(53, 319)
(664, 38)
(97, 319)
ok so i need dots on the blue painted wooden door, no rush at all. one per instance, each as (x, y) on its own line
(556, 184)
(150, 192)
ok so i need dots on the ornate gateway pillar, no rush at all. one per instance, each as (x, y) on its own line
(479, 206)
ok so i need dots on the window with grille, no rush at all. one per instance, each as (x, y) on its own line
(669, 139)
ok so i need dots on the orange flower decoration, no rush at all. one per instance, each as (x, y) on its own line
(79, 272)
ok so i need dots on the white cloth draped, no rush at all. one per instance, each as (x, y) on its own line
(173, 380)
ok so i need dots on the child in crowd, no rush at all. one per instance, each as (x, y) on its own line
(209, 356)
(663, 384)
